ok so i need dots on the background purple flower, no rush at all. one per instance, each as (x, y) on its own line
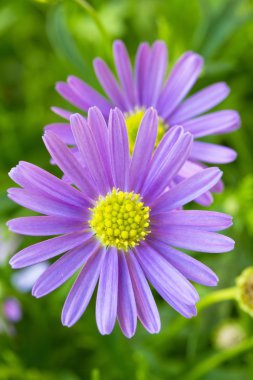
(147, 85)
(113, 189)
(12, 309)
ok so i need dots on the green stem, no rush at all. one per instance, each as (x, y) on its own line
(215, 360)
(92, 12)
(217, 296)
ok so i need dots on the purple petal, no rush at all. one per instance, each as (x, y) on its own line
(99, 129)
(213, 123)
(62, 112)
(67, 162)
(157, 65)
(109, 84)
(91, 156)
(141, 71)
(127, 312)
(60, 271)
(202, 220)
(181, 79)
(212, 153)
(89, 96)
(44, 225)
(146, 306)
(82, 290)
(119, 149)
(143, 149)
(193, 239)
(200, 102)
(163, 275)
(107, 295)
(155, 184)
(37, 180)
(187, 190)
(46, 205)
(71, 96)
(124, 70)
(191, 268)
(168, 282)
(63, 131)
(160, 154)
(47, 249)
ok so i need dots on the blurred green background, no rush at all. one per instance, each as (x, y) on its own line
(42, 42)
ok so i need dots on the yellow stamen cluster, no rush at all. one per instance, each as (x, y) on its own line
(120, 219)
(133, 121)
(245, 290)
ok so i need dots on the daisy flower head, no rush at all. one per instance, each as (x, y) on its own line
(121, 222)
(146, 84)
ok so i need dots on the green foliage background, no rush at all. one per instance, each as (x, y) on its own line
(42, 42)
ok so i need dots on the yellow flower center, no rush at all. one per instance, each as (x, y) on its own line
(133, 120)
(120, 220)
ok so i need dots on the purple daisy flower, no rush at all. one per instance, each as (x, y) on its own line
(120, 221)
(147, 85)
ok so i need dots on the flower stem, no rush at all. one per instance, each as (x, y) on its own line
(217, 296)
(215, 360)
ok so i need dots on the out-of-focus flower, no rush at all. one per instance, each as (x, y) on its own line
(12, 309)
(244, 293)
(229, 334)
(120, 221)
(147, 85)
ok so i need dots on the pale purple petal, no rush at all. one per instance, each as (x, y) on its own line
(63, 131)
(168, 281)
(187, 190)
(124, 70)
(200, 219)
(46, 205)
(213, 123)
(89, 96)
(61, 270)
(143, 149)
(212, 153)
(45, 225)
(90, 153)
(62, 112)
(82, 290)
(39, 181)
(119, 149)
(164, 275)
(146, 306)
(71, 96)
(141, 71)
(167, 143)
(191, 268)
(127, 312)
(99, 129)
(193, 239)
(182, 77)
(47, 249)
(109, 84)
(200, 102)
(170, 166)
(107, 295)
(157, 65)
(67, 162)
